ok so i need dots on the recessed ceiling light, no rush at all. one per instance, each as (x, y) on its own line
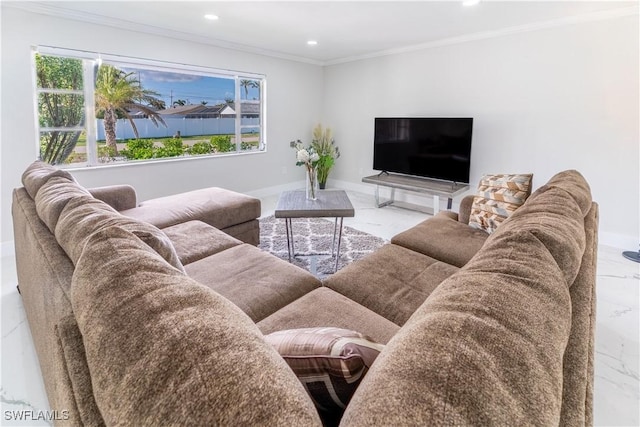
(211, 17)
(470, 2)
(312, 42)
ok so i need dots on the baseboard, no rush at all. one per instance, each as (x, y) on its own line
(351, 186)
(622, 241)
(276, 189)
(7, 248)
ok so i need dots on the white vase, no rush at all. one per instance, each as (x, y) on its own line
(312, 184)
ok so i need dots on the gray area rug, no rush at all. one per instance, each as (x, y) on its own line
(312, 240)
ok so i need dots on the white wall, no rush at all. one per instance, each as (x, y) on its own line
(542, 101)
(294, 92)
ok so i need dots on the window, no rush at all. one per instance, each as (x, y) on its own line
(60, 105)
(95, 109)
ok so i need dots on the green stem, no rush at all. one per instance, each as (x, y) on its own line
(323, 174)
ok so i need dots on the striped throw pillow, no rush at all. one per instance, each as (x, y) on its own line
(330, 362)
(498, 197)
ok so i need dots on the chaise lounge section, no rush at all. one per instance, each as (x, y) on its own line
(233, 213)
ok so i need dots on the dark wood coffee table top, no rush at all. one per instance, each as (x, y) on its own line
(330, 203)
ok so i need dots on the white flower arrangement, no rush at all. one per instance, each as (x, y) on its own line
(308, 158)
(305, 156)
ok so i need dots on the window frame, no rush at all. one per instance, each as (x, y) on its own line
(91, 61)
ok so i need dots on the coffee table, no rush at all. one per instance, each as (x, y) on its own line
(329, 204)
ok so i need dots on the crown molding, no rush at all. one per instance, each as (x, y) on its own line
(59, 12)
(578, 19)
(52, 10)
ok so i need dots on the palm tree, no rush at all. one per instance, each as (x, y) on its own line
(118, 92)
(158, 104)
(246, 84)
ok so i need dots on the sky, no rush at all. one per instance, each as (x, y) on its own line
(191, 88)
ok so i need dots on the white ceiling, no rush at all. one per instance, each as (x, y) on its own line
(344, 30)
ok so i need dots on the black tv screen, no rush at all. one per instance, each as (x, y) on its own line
(437, 148)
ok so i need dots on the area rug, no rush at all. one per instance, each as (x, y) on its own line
(312, 241)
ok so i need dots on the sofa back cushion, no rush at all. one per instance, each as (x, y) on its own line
(577, 408)
(38, 173)
(53, 196)
(498, 197)
(487, 347)
(59, 198)
(575, 186)
(163, 349)
(83, 216)
(555, 215)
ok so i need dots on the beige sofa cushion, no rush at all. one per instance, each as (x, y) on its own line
(555, 216)
(194, 240)
(487, 347)
(164, 350)
(324, 307)
(216, 206)
(38, 173)
(53, 196)
(393, 281)
(573, 183)
(83, 216)
(443, 238)
(247, 232)
(255, 281)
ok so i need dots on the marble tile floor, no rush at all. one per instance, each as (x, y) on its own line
(617, 380)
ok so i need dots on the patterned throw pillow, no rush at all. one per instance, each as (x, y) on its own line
(330, 362)
(498, 197)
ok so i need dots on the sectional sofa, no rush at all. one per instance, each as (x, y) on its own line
(134, 325)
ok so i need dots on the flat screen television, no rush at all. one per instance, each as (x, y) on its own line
(438, 148)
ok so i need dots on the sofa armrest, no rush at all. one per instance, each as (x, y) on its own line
(465, 209)
(119, 197)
